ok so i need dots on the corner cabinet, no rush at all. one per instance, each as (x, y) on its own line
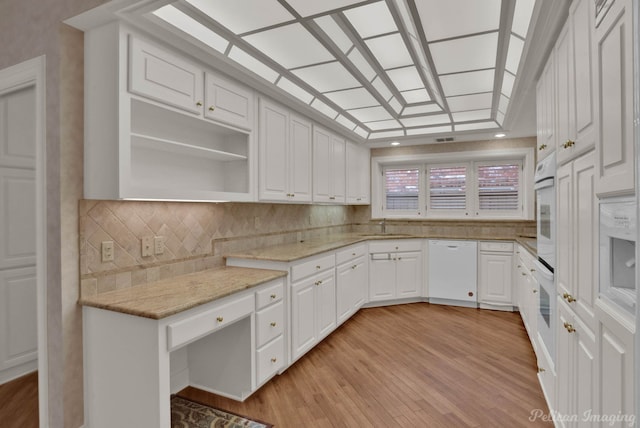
(329, 167)
(615, 157)
(160, 126)
(285, 155)
(358, 175)
(495, 275)
(395, 269)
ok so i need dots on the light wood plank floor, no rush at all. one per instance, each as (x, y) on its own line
(415, 365)
(19, 402)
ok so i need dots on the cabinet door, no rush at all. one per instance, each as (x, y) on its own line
(345, 284)
(299, 160)
(563, 60)
(337, 172)
(565, 362)
(321, 160)
(408, 274)
(581, 14)
(326, 304)
(495, 278)
(164, 77)
(360, 283)
(546, 142)
(614, 139)
(357, 169)
(564, 229)
(228, 102)
(585, 361)
(273, 152)
(303, 317)
(382, 277)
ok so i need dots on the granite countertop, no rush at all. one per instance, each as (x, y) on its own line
(170, 296)
(307, 248)
(529, 243)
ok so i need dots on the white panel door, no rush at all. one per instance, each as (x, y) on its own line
(321, 165)
(228, 102)
(494, 278)
(303, 317)
(382, 277)
(338, 170)
(273, 143)
(17, 139)
(17, 218)
(299, 161)
(408, 274)
(326, 304)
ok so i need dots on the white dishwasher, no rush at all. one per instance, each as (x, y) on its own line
(453, 272)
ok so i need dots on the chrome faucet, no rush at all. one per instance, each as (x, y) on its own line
(383, 225)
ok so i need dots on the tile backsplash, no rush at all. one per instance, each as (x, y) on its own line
(197, 235)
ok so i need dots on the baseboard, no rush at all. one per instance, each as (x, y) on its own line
(15, 372)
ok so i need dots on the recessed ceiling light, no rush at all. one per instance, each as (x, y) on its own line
(500, 135)
(395, 143)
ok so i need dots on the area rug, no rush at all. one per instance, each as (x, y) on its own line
(190, 414)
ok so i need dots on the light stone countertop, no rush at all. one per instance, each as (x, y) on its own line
(170, 296)
(312, 247)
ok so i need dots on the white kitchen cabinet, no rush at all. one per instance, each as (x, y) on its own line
(615, 157)
(313, 311)
(545, 99)
(270, 322)
(574, 82)
(495, 275)
(228, 102)
(576, 367)
(358, 175)
(527, 291)
(577, 237)
(285, 155)
(329, 168)
(351, 281)
(395, 269)
(146, 135)
(616, 370)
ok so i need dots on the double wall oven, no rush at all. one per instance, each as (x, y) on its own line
(545, 186)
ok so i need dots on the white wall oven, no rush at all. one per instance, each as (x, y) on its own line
(545, 187)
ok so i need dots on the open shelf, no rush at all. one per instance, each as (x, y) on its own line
(156, 143)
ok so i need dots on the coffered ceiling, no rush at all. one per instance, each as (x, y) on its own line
(381, 69)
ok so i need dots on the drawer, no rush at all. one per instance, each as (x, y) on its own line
(304, 269)
(269, 323)
(182, 332)
(269, 360)
(395, 246)
(350, 253)
(270, 294)
(506, 247)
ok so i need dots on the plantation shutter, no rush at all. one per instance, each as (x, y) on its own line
(402, 188)
(447, 187)
(499, 187)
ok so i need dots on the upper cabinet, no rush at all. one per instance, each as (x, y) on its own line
(147, 135)
(358, 175)
(546, 110)
(329, 167)
(285, 155)
(614, 88)
(575, 130)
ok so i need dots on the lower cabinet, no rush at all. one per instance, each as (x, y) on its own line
(495, 275)
(351, 283)
(313, 311)
(395, 270)
(270, 318)
(527, 293)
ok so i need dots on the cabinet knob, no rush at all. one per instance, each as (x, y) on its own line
(542, 147)
(332, 197)
(273, 324)
(199, 104)
(219, 319)
(470, 293)
(519, 266)
(541, 370)
(532, 270)
(273, 296)
(354, 266)
(211, 108)
(274, 359)
(568, 144)
(523, 274)
(318, 267)
(534, 291)
(570, 298)
(569, 327)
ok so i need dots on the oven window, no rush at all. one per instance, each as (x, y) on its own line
(545, 310)
(545, 220)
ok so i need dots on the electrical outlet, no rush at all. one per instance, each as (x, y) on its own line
(147, 246)
(107, 251)
(158, 245)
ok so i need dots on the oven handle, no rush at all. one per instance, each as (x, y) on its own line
(543, 271)
(543, 183)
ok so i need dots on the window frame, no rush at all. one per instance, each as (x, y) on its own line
(403, 213)
(526, 157)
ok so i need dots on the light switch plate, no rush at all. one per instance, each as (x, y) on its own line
(107, 251)
(147, 246)
(158, 245)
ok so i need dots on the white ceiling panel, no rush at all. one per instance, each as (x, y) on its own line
(331, 76)
(453, 18)
(429, 130)
(503, 103)
(290, 46)
(370, 114)
(371, 19)
(507, 83)
(514, 53)
(467, 83)
(353, 98)
(395, 105)
(295, 90)
(324, 109)
(361, 132)
(390, 51)
(335, 33)
(251, 63)
(500, 117)
(427, 108)
(192, 27)
(345, 122)
(426, 120)
(362, 64)
(467, 53)
(470, 102)
(383, 124)
(381, 87)
(475, 126)
(386, 134)
(416, 96)
(307, 8)
(522, 17)
(467, 116)
(241, 16)
(406, 78)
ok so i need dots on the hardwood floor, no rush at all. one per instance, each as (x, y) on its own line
(415, 365)
(19, 402)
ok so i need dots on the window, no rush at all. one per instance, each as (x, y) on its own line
(440, 186)
(402, 189)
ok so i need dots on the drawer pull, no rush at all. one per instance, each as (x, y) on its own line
(354, 266)
(353, 254)
(274, 359)
(219, 319)
(211, 108)
(273, 296)
(273, 324)
(535, 291)
(318, 267)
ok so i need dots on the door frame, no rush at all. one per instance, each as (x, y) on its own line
(25, 74)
